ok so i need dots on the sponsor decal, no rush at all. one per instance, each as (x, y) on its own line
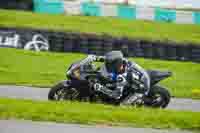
(13, 40)
(8, 39)
(38, 43)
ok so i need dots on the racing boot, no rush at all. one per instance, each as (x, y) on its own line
(134, 99)
(116, 94)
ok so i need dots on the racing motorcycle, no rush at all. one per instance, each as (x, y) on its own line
(84, 80)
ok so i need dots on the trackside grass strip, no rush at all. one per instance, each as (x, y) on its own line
(85, 113)
(44, 69)
(99, 25)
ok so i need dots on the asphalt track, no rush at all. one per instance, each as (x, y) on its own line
(13, 126)
(22, 92)
(18, 126)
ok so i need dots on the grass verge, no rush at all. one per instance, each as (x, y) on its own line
(44, 69)
(99, 25)
(85, 113)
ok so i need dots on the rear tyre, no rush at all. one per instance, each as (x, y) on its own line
(159, 97)
(61, 92)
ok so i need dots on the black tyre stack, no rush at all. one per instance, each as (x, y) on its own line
(108, 43)
(84, 43)
(17, 4)
(147, 49)
(99, 44)
(195, 53)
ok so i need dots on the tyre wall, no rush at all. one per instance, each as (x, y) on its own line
(17, 4)
(96, 44)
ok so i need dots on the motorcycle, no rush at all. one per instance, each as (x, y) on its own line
(84, 80)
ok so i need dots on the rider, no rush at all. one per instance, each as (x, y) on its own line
(114, 65)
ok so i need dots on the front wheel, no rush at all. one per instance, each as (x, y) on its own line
(62, 91)
(159, 97)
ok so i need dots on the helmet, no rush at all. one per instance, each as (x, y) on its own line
(114, 61)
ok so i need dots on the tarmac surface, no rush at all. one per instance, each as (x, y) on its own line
(17, 126)
(34, 93)
(23, 126)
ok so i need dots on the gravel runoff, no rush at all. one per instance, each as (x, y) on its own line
(41, 94)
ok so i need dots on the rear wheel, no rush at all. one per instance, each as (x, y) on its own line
(62, 92)
(159, 97)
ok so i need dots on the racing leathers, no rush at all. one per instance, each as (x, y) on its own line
(129, 69)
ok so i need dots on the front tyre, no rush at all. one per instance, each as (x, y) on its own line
(62, 91)
(159, 97)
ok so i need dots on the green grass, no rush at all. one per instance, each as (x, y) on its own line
(44, 69)
(85, 113)
(100, 25)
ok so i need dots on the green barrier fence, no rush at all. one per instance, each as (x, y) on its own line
(95, 9)
(91, 9)
(196, 17)
(128, 12)
(49, 6)
(165, 15)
